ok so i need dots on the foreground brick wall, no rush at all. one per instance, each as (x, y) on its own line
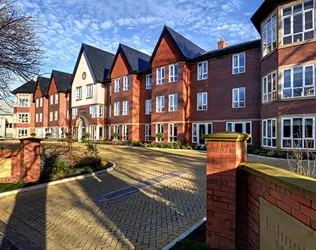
(234, 188)
(300, 207)
(25, 162)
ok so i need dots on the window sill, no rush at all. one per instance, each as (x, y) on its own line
(202, 79)
(301, 98)
(90, 97)
(297, 44)
(148, 89)
(78, 99)
(201, 110)
(234, 74)
(238, 107)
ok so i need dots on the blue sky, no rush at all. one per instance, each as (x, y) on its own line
(65, 24)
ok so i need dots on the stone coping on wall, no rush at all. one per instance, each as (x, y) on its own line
(302, 185)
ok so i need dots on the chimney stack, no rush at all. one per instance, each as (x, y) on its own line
(222, 44)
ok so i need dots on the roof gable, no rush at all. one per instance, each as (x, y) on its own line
(120, 66)
(62, 80)
(43, 84)
(136, 60)
(188, 49)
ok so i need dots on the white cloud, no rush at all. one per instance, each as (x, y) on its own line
(106, 25)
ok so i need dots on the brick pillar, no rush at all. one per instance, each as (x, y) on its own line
(224, 153)
(30, 159)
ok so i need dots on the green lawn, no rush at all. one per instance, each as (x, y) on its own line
(11, 186)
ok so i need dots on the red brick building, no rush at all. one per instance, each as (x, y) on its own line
(264, 87)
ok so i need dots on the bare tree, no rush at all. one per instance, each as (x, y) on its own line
(20, 51)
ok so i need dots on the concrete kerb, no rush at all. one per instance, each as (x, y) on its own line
(183, 235)
(52, 183)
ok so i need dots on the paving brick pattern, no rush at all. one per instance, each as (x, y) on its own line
(65, 216)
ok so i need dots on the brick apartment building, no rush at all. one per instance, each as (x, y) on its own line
(264, 87)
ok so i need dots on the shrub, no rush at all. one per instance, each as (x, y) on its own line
(63, 140)
(33, 134)
(159, 136)
(91, 149)
(47, 135)
(189, 148)
(137, 144)
(170, 145)
(115, 135)
(60, 169)
(74, 140)
(271, 153)
(92, 162)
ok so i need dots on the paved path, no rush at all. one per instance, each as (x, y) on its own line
(67, 216)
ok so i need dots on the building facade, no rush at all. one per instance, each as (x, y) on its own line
(6, 119)
(181, 92)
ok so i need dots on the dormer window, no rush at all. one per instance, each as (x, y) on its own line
(298, 22)
(269, 35)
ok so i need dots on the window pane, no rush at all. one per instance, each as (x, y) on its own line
(309, 75)
(287, 26)
(242, 60)
(241, 94)
(298, 23)
(297, 8)
(298, 38)
(297, 128)
(238, 127)
(287, 78)
(209, 128)
(308, 5)
(229, 127)
(287, 40)
(286, 128)
(235, 61)
(235, 95)
(287, 11)
(308, 35)
(298, 77)
(269, 128)
(309, 128)
(308, 20)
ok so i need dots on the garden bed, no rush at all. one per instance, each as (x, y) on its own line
(194, 241)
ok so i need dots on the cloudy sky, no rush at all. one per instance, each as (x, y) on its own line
(65, 24)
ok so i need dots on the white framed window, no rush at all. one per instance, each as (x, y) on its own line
(94, 111)
(40, 117)
(298, 81)
(51, 116)
(117, 85)
(172, 132)
(56, 115)
(269, 87)
(149, 81)
(78, 93)
(37, 102)
(89, 91)
(51, 97)
(36, 117)
(23, 102)
(126, 83)
(199, 130)
(148, 107)
(117, 130)
(298, 132)
(239, 98)
(117, 109)
(147, 132)
(240, 127)
(173, 73)
(41, 102)
(160, 104)
(239, 63)
(202, 70)
(56, 98)
(23, 117)
(125, 107)
(161, 76)
(93, 132)
(101, 111)
(173, 102)
(74, 113)
(22, 132)
(269, 131)
(125, 133)
(202, 101)
(159, 129)
(298, 22)
(269, 35)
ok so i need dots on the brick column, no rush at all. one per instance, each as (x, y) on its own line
(224, 153)
(29, 155)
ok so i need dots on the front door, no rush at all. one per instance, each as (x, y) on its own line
(202, 132)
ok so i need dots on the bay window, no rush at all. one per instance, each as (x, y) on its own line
(298, 22)
(298, 81)
(269, 35)
(269, 133)
(269, 87)
(298, 132)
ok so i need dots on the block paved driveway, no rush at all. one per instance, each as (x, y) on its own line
(66, 216)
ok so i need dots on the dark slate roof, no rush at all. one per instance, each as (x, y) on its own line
(265, 10)
(100, 61)
(28, 87)
(137, 60)
(229, 50)
(188, 49)
(63, 80)
(44, 84)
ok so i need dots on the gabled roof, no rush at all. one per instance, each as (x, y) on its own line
(264, 11)
(43, 84)
(63, 80)
(28, 87)
(137, 60)
(188, 49)
(229, 50)
(100, 62)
